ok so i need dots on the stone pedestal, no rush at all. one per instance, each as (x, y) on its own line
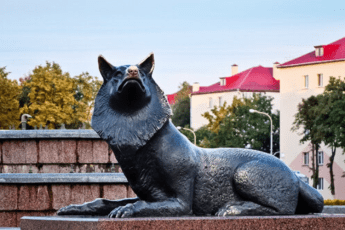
(305, 222)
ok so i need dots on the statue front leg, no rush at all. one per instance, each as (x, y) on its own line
(98, 207)
(170, 207)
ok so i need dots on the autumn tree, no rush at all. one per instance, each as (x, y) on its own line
(86, 88)
(9, 104)
(51, 98)
(181, 108)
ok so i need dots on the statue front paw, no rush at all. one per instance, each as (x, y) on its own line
(69, 210)
(122, 212)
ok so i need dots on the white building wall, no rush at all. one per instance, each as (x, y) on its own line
(200, 104)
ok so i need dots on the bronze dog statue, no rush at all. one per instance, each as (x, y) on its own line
(170, 175)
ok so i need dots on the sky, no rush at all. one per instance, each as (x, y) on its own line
(193, 41)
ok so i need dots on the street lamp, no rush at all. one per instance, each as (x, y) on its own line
(255, 111)
(179, 127)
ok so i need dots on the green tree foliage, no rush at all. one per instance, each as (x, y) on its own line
(330, 122)
(234, 126)
(53, 98)
(305, 120)
(322, 120)
(181, 108)
(9, 104)
(86, 88)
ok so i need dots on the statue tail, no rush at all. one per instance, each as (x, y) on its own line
(309, 200)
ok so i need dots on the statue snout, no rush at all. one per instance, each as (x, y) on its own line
(133, 72)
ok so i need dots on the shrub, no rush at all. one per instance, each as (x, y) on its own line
(334, 202)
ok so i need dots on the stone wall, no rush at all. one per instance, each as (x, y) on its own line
(43, 194)
(36, 166)
(55, 151)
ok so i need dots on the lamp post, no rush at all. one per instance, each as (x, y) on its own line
(255, 111)
(179, 127)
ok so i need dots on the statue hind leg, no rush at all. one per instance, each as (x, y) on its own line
(267, 188)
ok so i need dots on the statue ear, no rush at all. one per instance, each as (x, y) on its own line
(105, 68)
(148, 64)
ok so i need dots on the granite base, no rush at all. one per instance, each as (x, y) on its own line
(305, 222)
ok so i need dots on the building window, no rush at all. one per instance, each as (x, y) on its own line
(306, 159)
(319, 51)
(320, 79)
(222, 81)
(220, 101)
(210, 102)
(320, 184)
(320, 157)
(247, 95)
(306, 81)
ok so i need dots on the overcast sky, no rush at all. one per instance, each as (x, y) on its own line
(193, 41)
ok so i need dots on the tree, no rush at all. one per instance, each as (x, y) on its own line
(9, 104)
(181, 109)
(234, 126)
(52, 101)
(305, 118)
(330, 123)
(86, 88)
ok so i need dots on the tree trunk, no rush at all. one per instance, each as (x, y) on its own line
(330, 165)
(315, 168)
(317, 164)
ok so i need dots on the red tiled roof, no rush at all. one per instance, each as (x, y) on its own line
(171, 98)
(254, 79)
(332, 52)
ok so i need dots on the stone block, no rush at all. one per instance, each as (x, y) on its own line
(8, 197)
(84, 151)
(61, 196)
(100, 151)
(49, 151)
(84, 193)
(9, 169)
(10, 152)
(19, 152)
(8, 219)
(30, 152)
(68, 151)
(0, 152)
(19, 169)
(114, 192)
(33, 197)
(41, 213)
(81, 168)
(112, 157)
(66, 169)
(50, 169)
(130, 192)
(25, 168)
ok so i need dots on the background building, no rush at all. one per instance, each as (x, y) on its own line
(254, 80)
(301, 78)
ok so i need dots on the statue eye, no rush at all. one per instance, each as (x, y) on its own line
(118, 74)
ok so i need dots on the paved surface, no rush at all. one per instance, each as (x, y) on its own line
(336, 209)
(305, 222)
